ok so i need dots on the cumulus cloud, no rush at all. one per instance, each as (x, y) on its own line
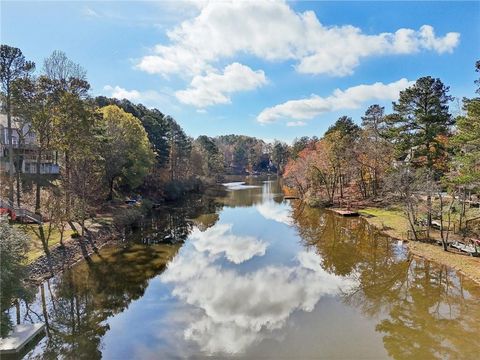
(148, 97)
(215, 87)
(220, 239)
(273, 31)
(350, 98)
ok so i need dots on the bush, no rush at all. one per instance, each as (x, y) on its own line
(314, 201)
(174, 190)
(127, 217)
(146, 206)
(13, 248)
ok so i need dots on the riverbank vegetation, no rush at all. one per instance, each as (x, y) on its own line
(420, 158)
(68, 154)
(13, 246)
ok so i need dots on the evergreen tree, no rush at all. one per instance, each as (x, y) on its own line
(13, 66)
(422, 121)
(421, 126)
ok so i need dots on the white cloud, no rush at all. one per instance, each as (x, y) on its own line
(351, 98)
(215, 88)
(122, 93)
(89, 12)
(296, 123)
(220, 239)
(440, 45)
(148, 98)
(271, 30)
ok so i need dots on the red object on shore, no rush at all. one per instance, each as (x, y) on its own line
(11, 213)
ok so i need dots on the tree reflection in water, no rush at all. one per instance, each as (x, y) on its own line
(424, 310)
(76, 304)
(420, 310)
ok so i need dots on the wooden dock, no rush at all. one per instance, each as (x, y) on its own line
(20, 336)
(345, 212)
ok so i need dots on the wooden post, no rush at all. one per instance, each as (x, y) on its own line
(17, 307)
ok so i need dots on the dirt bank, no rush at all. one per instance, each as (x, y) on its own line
(63, 257)
(464, 264)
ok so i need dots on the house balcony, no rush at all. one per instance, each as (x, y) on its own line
(46, 168)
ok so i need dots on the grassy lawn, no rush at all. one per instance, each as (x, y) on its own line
(394, 223)
(35, 247)
(392, 220)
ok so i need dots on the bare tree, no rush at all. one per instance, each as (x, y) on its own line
(444, 233)
(406, 184)
(70, 88)
(60, 68)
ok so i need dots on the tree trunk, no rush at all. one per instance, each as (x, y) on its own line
(17, 308)
(110, 189)
(38, 187)
(62, 230)
(462, 211)
(67, 184)
(411, 221)
(19, 166)
(442, 234)
(10, 149)
(363, 183)
(429, 210)
(19, 190)
(341, 185)
(44, 308)
(44, 240)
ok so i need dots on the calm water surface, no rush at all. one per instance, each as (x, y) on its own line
(253, 276)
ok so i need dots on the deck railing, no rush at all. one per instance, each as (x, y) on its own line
(21, 212)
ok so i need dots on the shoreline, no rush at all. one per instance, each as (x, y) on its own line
(466, 265)
(79, 249)
(73, 251)
(82, 248)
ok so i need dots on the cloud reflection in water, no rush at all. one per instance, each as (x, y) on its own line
(220, 239)
(240, 309)
(273, 211)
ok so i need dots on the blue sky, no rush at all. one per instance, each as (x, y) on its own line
(261, 68)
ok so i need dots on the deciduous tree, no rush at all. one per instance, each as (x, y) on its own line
(126, 151)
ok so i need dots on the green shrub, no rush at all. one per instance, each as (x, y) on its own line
(13, 248)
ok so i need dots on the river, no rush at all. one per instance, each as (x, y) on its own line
(251, 275)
